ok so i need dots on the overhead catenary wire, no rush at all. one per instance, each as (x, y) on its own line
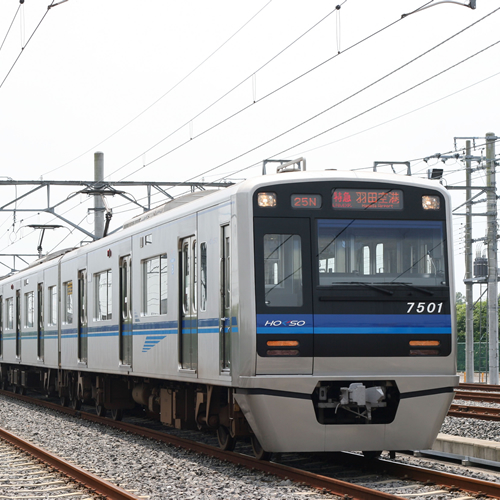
(230, 91)
(10, 26)
(185, 77)
(232, 173)
(341, 123)
(224, 120)
(26, 44)
(396, 118)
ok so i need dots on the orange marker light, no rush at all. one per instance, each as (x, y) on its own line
(282, 343)
(424, 343)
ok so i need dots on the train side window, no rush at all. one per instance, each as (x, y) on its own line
(103, 295)
(29, 309)
(203, 277)
(283, 270)
(52, 305)
(155, 285)
(9, 305)
(68, 302)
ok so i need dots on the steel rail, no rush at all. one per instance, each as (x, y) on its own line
(335, 486)
(476, 487)
(479, 387)
(478, 412)
(341, 488)
(477, 396)
(83, 477)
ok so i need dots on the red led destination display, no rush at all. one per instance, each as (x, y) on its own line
(306, 201)
(367, 199)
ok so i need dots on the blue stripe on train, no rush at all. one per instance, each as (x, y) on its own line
(154, 331)
(353, 324)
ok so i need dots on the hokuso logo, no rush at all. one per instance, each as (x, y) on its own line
(291, 322)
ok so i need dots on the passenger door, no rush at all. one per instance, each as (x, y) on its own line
(18, 324)
(188, 327)
(126, 337)
(82, 317)
(39, 322)
(225, 300)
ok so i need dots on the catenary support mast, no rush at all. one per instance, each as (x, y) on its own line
(492, 258)
(469, 300)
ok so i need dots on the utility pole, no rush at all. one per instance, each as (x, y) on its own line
(469, 300)
(492, 258)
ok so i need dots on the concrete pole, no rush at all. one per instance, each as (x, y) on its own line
(492, 258)
(469, 299)
(98, 203)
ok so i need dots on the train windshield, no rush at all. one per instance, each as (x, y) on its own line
(381, 251)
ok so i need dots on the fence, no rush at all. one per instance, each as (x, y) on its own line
(480, 357)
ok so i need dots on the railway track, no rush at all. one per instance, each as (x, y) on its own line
(375, 473)
(479, 387)
(478, 392)
(479, 412)
(27, 471)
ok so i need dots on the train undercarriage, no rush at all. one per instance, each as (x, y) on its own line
(176, 404)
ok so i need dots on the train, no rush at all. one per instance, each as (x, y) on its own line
(305, 311)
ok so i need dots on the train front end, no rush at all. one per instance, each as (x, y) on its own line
(352, 314)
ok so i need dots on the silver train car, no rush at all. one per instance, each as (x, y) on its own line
(307, 311)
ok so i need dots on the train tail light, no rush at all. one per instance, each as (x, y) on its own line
(283, 352)
(424, 344)
(285, 344)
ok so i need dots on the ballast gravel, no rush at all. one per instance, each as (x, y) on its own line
(145, 467)
(471, 428)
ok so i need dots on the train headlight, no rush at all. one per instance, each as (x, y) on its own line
(266, 199)
(431, 202)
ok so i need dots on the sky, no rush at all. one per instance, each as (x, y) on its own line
(174, 91)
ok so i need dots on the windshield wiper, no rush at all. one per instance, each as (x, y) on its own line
(414, 287)
(364, 283)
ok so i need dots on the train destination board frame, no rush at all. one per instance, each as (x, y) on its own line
(367, 199)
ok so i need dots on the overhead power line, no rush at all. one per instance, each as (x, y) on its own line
(224, 120)
(166, 93)
(227, 93)
(343, 122)
(26, 44)
(10, 27)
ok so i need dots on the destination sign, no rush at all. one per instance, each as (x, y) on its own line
(367, 199)
(306, 201)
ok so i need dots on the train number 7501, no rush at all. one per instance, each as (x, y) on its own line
(424, 307)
